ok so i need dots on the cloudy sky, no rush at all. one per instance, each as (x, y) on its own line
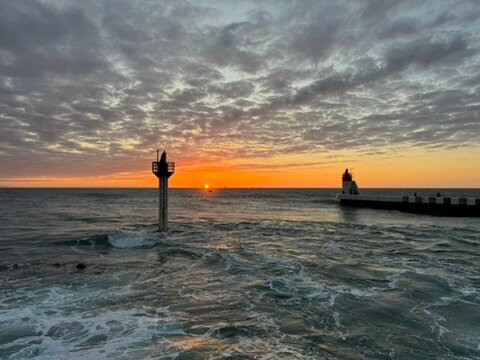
(240, 93)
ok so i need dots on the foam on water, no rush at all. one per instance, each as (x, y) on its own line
(129, 240)
(59, 321)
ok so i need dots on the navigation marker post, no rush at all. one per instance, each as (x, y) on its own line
(163, 170)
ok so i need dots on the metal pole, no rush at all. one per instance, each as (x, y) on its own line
(160, 204)
(163, 203)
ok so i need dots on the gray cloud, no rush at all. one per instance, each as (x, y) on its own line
(425, 52)
(42, 40)
(101, 84)
(231, 45)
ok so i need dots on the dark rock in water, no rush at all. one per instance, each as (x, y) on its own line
(81, 266)
(14, 266)
(56, 265)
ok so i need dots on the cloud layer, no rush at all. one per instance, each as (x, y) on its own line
(92, 87)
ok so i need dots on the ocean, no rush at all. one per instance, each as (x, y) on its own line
(241, 274)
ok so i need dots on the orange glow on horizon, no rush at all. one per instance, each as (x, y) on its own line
(415, 169)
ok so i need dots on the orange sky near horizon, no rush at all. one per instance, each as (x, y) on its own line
(416, 169)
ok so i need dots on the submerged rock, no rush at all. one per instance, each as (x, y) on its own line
(81, 266)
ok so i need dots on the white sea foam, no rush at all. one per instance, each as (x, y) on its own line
(43, 325)
(436, 325)
(128, 240)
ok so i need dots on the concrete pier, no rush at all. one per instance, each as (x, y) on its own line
(431, 205)
(163, 170)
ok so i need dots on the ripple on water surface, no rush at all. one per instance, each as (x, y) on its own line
(241, 274)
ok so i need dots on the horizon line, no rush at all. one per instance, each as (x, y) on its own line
(224, 188)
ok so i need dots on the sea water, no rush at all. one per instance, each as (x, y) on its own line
(241, 274)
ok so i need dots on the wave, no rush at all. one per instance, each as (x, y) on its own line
(98, 240)
(129, 240)
(121, 239)
(40, 323)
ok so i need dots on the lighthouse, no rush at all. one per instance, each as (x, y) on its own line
(163, 170)
(349, 186)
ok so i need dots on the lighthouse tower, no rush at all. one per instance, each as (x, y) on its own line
(163, 170)
(349, 186)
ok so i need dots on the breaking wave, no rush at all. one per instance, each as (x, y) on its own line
(119, 239)
(126, 240)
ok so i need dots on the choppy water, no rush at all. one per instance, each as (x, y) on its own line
(242, 274)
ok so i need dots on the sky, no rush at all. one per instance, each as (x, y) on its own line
(240, 93)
